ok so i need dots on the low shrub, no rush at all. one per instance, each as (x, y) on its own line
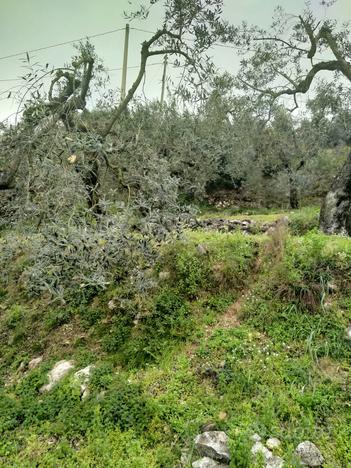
(304, 220)
(126, 407)
(167, 322)
(11, 413)
(191, 270)
(72, 263)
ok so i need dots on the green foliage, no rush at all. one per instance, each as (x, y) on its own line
(168, 322)
(304, 220)
(174, 365)
(83, 296)
(102, 376)
(125, 406)
(218, 303)
(192, 271)
(62, 408)
(323, 334)
(14, 316)
(11, 413)
(308, 267)
(90, 315)
(170, 315)
(118, 331)
(57, 317)
(240, 449)
(225, 264)
(30, 384)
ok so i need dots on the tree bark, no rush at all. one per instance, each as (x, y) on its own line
(293, 195)
(6, 180)
(92, 185)
(8, 176)
(335, 217)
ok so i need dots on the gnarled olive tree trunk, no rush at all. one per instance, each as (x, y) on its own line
(335, 217)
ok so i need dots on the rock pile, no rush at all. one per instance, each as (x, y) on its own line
(261, 450)
(229, 225)
(213, 446)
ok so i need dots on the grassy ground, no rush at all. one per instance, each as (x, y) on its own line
(247, 332)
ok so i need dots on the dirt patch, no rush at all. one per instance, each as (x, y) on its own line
(333, 370)
(231, 317)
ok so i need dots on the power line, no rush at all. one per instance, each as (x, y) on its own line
(107, 70)
(134, 66)
(61, 43)
(144, 30)
(112, 31)
(11, 79)
(98, 35)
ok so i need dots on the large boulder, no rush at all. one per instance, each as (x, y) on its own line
(56, 374)
(309, 454)
(213, 444)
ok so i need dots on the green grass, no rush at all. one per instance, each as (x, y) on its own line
(283, 372)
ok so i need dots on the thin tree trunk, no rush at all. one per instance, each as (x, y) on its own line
(92, 184)
(293, 195)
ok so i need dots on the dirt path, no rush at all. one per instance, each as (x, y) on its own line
(231, 317)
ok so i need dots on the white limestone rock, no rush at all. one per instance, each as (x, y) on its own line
(207, 462)
(256, 438)
(213, 444)
(270, 460)
(309, 454)
(35, 362)
(274, 462)
(56, 374)
(83, 377)
(259, 449)
(273, 443)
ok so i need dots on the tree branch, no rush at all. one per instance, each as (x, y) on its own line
(144, 55)
(302, 86)
(313, 39)
(345, 67)
(277, 39)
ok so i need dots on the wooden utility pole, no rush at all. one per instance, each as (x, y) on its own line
(165, 62)
(125, 63)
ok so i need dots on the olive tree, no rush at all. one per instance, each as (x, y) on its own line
(286, 60)
(62, 108)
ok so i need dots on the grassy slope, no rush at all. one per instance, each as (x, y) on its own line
(276, 362)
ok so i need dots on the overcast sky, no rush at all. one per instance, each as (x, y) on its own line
(31, 24)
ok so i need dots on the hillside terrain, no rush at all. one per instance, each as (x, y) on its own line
(175, 252)
(245, 333)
